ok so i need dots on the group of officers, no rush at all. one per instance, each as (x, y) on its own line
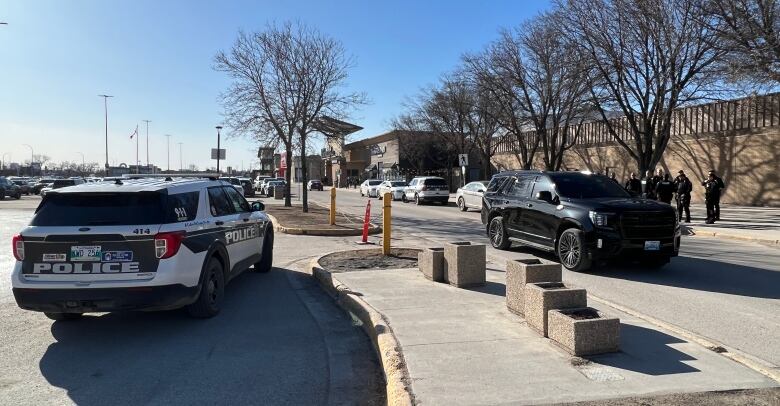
(663, 188)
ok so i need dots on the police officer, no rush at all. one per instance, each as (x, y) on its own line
(613, 176)
(664, 189)
(633, 185)
(683, 188)
(713, 186)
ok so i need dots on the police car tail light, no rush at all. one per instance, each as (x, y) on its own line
(18, 245)
(167, 245)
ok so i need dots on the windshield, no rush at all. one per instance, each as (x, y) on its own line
(581, 186)
(99, 209)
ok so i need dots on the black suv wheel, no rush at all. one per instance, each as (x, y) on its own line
(63, 316)
(497, 233)
(572, 251)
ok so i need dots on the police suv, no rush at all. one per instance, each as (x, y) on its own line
(144, 244)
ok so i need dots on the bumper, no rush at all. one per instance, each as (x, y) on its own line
(612, 246)
(105, 299)
(431, 197)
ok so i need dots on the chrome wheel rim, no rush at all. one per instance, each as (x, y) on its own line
(496, 233)
(569, 250)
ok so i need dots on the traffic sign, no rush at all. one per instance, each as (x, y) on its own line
(463, 159)
(221, 153)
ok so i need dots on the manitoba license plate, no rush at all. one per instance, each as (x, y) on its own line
(652, 245)
(91, 253)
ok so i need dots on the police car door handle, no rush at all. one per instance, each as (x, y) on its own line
(219, 223)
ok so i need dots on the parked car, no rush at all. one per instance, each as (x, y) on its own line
(272, 185)
(268, 183)
(394, 187)
(258, 184)
(581, 217)
(24, 185)
(61, 183)
(314, 185)
(470, 195)
(369, 187)
(236, 183)
(249, 189)
(427, 189)
(42, 183)
(9, 189)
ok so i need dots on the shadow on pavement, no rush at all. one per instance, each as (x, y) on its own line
(492, 288)
(647, 351)
(264, 346)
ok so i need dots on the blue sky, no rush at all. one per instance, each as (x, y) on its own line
(155, 57)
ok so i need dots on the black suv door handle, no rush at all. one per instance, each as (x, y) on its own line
(219, 223)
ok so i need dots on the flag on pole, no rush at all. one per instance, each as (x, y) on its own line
(134, 132)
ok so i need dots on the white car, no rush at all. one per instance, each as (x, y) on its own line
(143, 244)
(427, 189)
(370, 187)
(394, 187)
(470, 195)
(258, 184)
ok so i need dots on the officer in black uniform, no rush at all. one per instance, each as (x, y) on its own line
(664, 189)
(683, 188)
(713, 186)
(634, 185)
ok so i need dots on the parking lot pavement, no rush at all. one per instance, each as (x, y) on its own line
(278, 340)
(724, 290)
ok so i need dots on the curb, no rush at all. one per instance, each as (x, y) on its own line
(698, 233)
(326, 232)
(376, 326)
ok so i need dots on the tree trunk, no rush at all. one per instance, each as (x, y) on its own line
(288, 154)
(304, 176)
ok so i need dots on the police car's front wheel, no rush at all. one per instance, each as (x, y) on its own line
(212, 291)
(63, 316)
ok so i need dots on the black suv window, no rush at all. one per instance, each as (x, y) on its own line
(521, 188)
(496, 183)
(219, 202)
(237, 201)
(182, 207)
(582, 186)
(99, 209)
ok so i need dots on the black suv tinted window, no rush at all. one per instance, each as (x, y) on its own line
(219, 202)
(239, 203)
(99, 209)
(582, 186)
(496, 183)
(521, 188)
(182, 207)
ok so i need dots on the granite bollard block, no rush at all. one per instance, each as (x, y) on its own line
(583, 331)
(464, 264)
(520, 272)
(431, 263)
(278, 193)
(540, 298)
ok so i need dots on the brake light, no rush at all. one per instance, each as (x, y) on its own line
(18, 245)
(167, 245)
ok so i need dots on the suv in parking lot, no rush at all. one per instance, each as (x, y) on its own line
(9, 189)
(579, 216)
(427, 189)
(147, 244)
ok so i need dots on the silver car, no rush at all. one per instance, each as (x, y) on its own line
(394, 187)
(470, 195)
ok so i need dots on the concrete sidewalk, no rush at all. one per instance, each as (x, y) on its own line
(758, 224)
(463, 347)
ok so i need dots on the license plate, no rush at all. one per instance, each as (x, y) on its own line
(91, 253)
(652, 245)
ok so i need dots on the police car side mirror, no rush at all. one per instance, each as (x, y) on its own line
(544, 196)
(258, 206)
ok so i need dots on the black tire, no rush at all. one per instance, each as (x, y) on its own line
(417, 200)
(462, 204)
(497, 233)
(572, 251)
(2, 194)
(18, 196)
(361, 193)
(63, 316)
(267, 259)
(212, 291)
(403, 198)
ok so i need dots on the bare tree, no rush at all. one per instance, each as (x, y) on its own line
(283, 79)
(749, 34)
(647, 58)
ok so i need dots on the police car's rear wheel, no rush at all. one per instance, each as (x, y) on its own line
(63, 316)
(212, 291)
(267, 260)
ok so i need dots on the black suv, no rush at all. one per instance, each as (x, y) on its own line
(8, 188)
(580, 216)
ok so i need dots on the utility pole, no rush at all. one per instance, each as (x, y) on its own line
(147, 142)
(219, 127)
(105, 107)
(181, 164)
(168, 137)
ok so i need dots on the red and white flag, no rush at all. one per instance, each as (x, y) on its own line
(134, 132)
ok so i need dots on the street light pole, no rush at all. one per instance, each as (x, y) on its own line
(181, 164)
(105, 107)
(219, 127)
(147, 141)
(168, 137)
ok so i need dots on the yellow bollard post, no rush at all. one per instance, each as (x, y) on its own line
(333, 206)
(387, 199)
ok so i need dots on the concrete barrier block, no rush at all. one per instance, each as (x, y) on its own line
(583, 331)
(464, 264)
(542, 297)
(520, 272)
(278, 193)
(431, 263)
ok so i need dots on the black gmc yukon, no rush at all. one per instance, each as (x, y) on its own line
(580, 216)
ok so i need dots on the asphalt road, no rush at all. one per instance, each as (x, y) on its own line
(724, 290)
(278, 340)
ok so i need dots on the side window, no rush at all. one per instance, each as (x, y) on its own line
(543, 184)
(238, 202)
(521, 188)
(219, 202)
(413, 182)
(182, 207)
(496, 183)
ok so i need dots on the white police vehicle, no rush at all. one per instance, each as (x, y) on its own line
(145, 244)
